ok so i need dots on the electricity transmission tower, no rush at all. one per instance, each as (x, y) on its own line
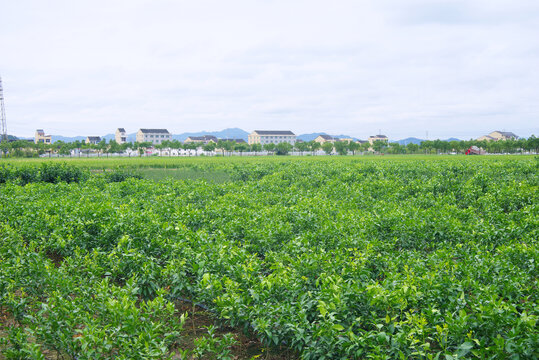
(3, 134)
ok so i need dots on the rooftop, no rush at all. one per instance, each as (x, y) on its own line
(154, 131)
(327, 137)
(233, 140)
(203, 138)
(274, 132)
(121, 130)
(506, 133)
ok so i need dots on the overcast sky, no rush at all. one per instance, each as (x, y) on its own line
(403, 67)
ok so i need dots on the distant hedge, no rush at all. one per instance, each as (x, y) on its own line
(58, 172)
(49, 173)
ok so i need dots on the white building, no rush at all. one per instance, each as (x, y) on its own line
(121, 136)
(272, 137)
(155, 136)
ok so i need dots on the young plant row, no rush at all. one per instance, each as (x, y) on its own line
(393, 259)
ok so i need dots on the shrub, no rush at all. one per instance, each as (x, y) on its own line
(120, 175)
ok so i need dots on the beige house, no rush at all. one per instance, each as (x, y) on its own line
(272, 137)
(41, 138)
(204, 139)
(155, 136)
(374, 138)
(324, 139)
(498, 135)
(93, 140)
(120, 136)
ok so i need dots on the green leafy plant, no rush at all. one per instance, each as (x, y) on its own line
(211, 346)
(332, 257)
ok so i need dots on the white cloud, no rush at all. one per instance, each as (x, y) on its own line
(454, 68)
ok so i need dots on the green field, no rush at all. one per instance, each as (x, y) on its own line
(373, 257)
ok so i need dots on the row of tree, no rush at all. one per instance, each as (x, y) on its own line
(23, 148)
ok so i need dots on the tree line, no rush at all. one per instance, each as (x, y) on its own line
(24, 148)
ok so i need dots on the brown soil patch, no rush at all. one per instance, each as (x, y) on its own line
(247, 346)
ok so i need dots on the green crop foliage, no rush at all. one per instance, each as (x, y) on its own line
(335, 258)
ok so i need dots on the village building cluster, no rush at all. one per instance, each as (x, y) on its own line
(264, 138)
(498, 135)
(158, 136)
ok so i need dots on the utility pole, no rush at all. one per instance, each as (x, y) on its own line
(3, 133)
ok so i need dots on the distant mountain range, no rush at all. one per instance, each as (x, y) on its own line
(230, 133)
(312, 136)
(67, 139)
(410, 140)
(413, 140)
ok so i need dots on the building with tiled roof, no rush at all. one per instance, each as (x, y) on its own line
(374, 138)
(498, 135)
(93, 140)
(155, 136)
(204, 139)
(41, 138)
(272, 137)
(324, 139)
(120, 136)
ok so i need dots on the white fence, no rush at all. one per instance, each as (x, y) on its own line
(174, 153)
